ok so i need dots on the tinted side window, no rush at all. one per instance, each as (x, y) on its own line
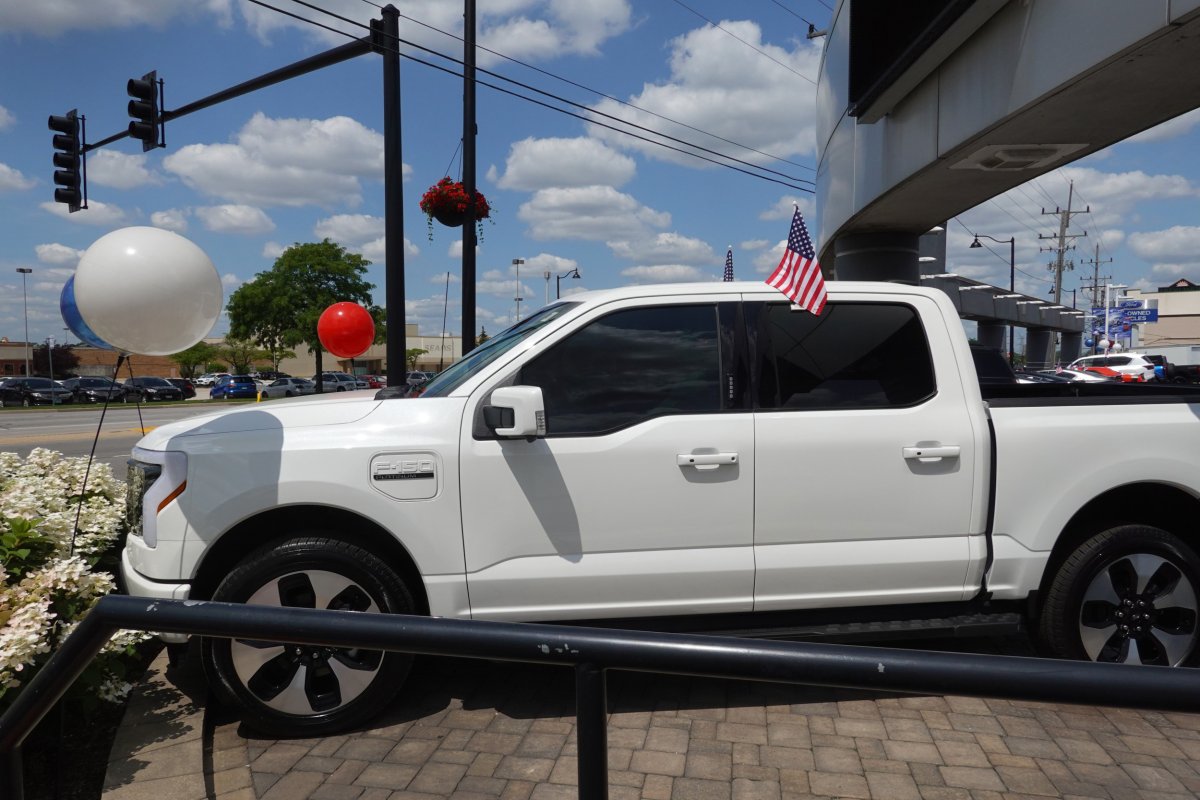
(855, 355)
(628, 367)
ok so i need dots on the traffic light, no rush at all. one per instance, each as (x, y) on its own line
(66, 158)
(144, 110)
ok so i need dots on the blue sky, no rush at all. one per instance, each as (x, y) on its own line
(303, 160)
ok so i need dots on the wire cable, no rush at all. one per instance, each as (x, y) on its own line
(793, 13)
(743, 41)
(562, 100)
(558, 97)
(607, 96)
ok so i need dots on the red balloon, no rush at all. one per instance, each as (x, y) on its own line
(346, 329)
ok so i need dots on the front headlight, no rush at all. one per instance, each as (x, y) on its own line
(155, 479)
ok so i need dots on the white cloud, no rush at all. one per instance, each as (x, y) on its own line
(664, 273)
(542, 163)
(7, 120)
(57, 254)
(54, 17)
(97, 213)
(588, 212)
(1171, 129)
(120, 170)
(360, 233)
(455, 249)
(441, 278)
(230, 281)
(12, 180)
(668, 248)
(172, 219)
(241, 219)
(754, 244)
(1175, 270)
(289, 162)
(785, 207)
(720, 85)
(1180, 243)
(273, 250)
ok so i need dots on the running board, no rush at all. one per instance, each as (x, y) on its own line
(994, 624)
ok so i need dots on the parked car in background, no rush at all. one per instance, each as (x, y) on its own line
(269, 375)
(1040, 376)
(151, 388)
(1078, 375)
(415, 378)
(33, 392)
(189, 391)
(233, 386)
(209, 378)
(340, 382)
(1135, 365)
(289, 387)
(95, 390)
(374, 381)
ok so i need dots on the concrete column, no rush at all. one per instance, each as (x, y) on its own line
(886, 256)
(1039, 348)
(993, 335)
(1071, 347)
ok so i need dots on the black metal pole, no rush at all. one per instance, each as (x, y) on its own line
(468, 167)
(393, 193)
(1012, 287)
(591, 726)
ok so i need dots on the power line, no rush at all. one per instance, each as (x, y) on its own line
(743, 41)
(607, 96)
(793, 13)
(563, 100)
(993, 252)
(1025, 225)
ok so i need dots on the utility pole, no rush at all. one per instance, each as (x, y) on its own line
(468, 178)
(1064, 222)
(1096, 284)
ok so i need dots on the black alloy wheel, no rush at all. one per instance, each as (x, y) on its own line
(1130, 595)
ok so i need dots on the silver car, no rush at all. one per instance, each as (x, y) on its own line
(288, 387)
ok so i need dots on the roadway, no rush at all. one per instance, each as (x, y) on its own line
(71, 430)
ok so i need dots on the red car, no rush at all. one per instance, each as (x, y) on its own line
(374, 381)
(1109, 372)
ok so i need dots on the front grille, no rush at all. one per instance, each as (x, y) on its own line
(141, 476)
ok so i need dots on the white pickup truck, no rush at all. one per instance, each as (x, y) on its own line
(687, 457)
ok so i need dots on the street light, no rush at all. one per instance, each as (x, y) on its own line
(1012, 275)
(558, 283)
(1051, 291)
(50, 355)
(25, 300)
(517, 262)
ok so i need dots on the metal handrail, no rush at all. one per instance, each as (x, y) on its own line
(592, 651)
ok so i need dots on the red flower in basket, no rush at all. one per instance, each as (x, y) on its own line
(446, 201)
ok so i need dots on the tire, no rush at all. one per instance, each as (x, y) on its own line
(1129, 594)
(289, 393)
(339, 688)
(27, 402)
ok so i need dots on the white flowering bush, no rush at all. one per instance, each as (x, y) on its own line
(47, 582)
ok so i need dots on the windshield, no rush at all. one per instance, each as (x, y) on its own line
(95, 382)
(41, 383)
(454, 375)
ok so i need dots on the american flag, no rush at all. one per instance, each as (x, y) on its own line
(729, 265)
(799, 275)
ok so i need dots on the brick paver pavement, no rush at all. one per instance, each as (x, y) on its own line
(470, 730)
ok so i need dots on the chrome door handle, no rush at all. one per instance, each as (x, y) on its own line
(705, 461)
(932, 453)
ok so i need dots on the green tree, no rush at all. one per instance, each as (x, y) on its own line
(411, 355)
(280, 307)
(60, 359)
(195, 358)
(242, 354)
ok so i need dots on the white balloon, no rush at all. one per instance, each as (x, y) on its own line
(147, 290)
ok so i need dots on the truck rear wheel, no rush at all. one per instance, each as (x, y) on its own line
(306, 690)
(1130, 594)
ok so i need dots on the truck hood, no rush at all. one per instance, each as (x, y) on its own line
(340, 408)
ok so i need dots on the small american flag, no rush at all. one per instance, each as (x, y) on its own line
(799, 275)
(729, 265)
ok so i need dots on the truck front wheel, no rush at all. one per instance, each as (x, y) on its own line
(306, 690)
(1129, 594)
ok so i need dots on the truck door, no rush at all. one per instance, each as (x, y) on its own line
(639, 500)
(866, 487)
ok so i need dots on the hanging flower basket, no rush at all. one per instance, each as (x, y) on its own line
(446, 201)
